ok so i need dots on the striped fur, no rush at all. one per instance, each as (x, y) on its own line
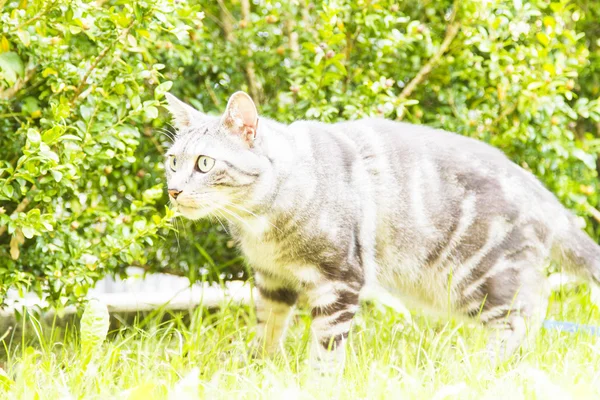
(320, 211)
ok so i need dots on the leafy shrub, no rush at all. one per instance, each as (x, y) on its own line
(79, 92)
(82, 131)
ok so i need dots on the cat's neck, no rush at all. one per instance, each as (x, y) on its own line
(280, 187)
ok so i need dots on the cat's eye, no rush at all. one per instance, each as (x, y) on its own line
(173, 163)
(205, 163)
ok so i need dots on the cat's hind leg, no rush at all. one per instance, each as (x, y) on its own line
(334, 305)
(513, 298)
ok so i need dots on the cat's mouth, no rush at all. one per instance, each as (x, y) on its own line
(184, 209)
(193, 212)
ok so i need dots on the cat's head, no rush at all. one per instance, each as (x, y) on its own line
(213, 166)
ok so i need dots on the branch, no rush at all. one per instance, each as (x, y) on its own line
(227, 21)
(451, 32)
(97, 61)
(292, 37)
(593, 212)
(350, 39)
(162, 270)
(225, 10)
(148, 134)
(35, 17)
(504, 114)
(9, 115)
(20, 208)
(308, 25)
(212, 95)
(10, 92)
(245, 10)
(253, 84)
(433, 61)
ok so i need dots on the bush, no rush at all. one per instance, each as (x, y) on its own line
(82, 130)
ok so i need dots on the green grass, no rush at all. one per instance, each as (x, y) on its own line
(203, 356)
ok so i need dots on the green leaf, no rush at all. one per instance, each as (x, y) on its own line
(25, 37)
(86, 112)
(11, 66)
(49, 155)
(135, 102)
(94, 326)
(338, 64)
(151, 112)
(57, 175)
(28, 231)
(161, 89)
(70, 137)
(543, 38)
(30, 105)
(140, 224)
(52, 135)
(5, 381)
(8, 190)
(410, 102)
(535, 85)
(33, 136)
(588, 159)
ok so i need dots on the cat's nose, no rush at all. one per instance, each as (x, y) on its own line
(174, 193)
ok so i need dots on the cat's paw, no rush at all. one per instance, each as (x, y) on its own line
(327, 363)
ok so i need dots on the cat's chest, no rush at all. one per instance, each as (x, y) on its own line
(272, 255)
(261, 248)
(261, 254)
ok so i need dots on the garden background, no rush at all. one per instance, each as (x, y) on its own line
(83, 128)
(82, 189)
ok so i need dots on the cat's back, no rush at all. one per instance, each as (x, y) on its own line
(432, 171)
(396, 139)
(440, 155)
(404, 158)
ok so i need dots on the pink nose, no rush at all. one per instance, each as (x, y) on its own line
(174, 193)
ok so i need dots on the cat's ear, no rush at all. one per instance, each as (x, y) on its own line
(183, 114)
(241, 117)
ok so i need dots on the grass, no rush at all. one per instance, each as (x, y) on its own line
(202, 355)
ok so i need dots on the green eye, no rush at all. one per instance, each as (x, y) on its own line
(173, 163)
(205, 163)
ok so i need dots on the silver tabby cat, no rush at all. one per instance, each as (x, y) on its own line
(321, 211)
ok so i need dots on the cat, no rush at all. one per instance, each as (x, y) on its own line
(321, 211)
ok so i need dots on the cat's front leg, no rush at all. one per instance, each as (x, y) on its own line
(333, 305)
(274, 303)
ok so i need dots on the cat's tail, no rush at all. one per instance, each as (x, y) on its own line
(578, 253)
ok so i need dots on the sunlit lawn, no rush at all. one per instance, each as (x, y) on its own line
(387, 358)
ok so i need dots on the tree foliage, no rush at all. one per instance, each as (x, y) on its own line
(82, 129)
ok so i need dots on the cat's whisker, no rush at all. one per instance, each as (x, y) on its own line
(216, 214)
(225, 217)
(243, 209)
(169, 132)
(236, 216)
(169, 135)
(171, 125)
(240, 208)
(219, 212)
(176, 219)
(229, 204)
